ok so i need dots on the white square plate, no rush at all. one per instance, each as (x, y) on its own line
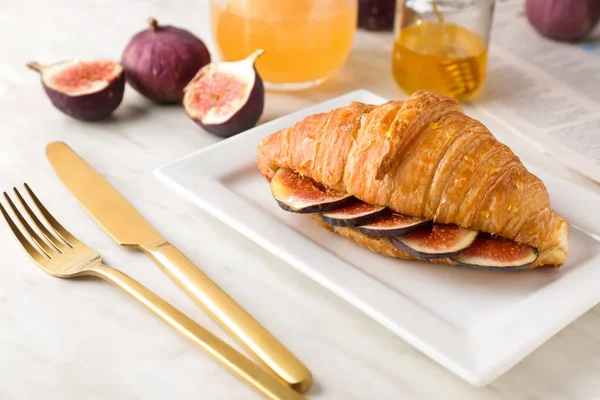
(477, 324)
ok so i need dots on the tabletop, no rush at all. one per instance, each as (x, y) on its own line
(85, 339)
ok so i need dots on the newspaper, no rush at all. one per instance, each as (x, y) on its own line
(547, 91)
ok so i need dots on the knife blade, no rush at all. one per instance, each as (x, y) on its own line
(128, 228)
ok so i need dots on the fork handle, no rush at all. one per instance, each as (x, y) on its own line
(262, 381)
(231, 316)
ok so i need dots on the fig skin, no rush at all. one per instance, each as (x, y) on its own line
(428, 256)
(565, 20)
(247, 115)
(161, 60)
(376, 15)
(497, 254)
(399, 230)
(287, 187)
(245, 118)
(87, 107)
(353, 215)
(425, 243)
(523, 267)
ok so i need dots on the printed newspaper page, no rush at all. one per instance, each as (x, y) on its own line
(546, 91)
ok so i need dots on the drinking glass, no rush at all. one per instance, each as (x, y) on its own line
(442, 45)
(305, 41)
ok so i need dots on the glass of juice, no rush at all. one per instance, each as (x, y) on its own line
(305, 41)
(442, 45)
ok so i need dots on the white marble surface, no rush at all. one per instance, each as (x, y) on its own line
(85, 339)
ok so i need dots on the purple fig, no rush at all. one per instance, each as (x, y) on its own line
(301, 194)
(497, 253)
(567, 20)
(435, 241)
(358, 213)
(226, 98)
(393, 224)
(161, 60)
(376, 15)
(85, 90)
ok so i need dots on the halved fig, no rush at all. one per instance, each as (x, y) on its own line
(436, 241)
(86, 90)
(301, 194)
(226, 98)
(393, 224)
(358, 213)
(497, 253)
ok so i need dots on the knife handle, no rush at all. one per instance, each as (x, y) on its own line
(263, 382)
(231, 316)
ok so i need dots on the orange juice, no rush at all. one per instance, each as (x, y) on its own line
(304, 40)
(445, 58)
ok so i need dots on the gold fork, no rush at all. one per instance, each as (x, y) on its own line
(62, 255)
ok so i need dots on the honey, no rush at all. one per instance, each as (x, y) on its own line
(441, 57)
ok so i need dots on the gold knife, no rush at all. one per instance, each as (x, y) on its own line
(128, 228)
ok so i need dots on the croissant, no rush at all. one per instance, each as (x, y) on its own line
(422, 158)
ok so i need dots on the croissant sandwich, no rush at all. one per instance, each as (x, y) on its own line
(416, 179)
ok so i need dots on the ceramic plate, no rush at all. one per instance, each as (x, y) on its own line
(477, 324)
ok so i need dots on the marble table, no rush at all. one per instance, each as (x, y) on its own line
(87, 340)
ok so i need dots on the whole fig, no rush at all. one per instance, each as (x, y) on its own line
(161, 60)
(567, 20)
(376, 15)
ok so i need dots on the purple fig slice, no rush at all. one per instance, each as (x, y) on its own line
(86, 90)
(226, 98)
(304, 195)
(358, 213)
(161, 60)
(497, 253)
(393, 224)
(435, 241)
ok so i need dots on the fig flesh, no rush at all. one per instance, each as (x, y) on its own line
(301, 194)
(85, 90)
(226, 98)
(358, 213)
(393, 224)
(497, 253)
(435, 241)
(161, 60)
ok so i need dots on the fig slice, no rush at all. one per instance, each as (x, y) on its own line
(393, 224)
(226, 98)
(304, 195)
(436, 241)
(497, 253)
(358, 213)
(85, 90)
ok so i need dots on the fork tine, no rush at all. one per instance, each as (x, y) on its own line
(44, 248)
(54, 241)
(58, 228)
(28, 247)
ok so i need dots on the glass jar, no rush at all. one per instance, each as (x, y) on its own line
(442, 45)
(305, 41)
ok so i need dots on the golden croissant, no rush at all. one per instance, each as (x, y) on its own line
(416, 179)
